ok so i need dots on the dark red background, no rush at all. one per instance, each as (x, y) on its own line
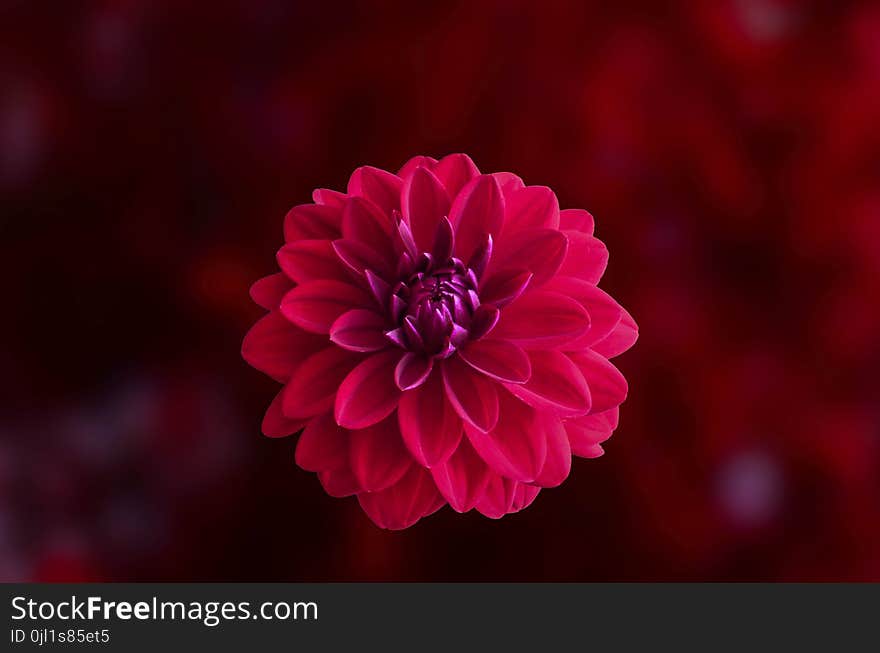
(729, 150)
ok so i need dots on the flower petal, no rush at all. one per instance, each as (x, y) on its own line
(339, 482)
(505, 286)
(541, 319)
(323, 445)
(531, 207)
(377, 455)
(523, 496)
(313, 385)
(275, 346)
(587, 432)
(541, 251)
(608, 386)
(621, 338)
(474, 397)
(605, 313)
(462, 478)
(587, 257)
(312, 221)
(315, 305)
(379, 186)
(576, 220)
(556, 384)
(501, 360)
(364, 222)
(361, 258)
(412, 370)
(557, 465)
(517, 446)
(400, 506)
(275, 424)
(425, 203)
(329, 197)
(268, 291)
(408, 168)
(430, 427)
(359, 330)
(368, 394)
(307, 260)
(477, 212)
(497, 498)
(454, 171)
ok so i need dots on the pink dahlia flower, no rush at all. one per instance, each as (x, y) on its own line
(441, 339)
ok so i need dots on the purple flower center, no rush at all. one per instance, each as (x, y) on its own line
(436, 304)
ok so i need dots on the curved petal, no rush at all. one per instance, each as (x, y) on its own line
(430, 427)
(377, 455)
(523, 496)
(505, 286)
(379, 186)
(368, 394)
(605, 313)
(556, 384)
(532, 207)
(499, 359)
(407, 169)
(313, 385)
(454, 171)
(364, 222)
(329, 197)
(621, 338)
(476, 213)
(275, 346)
(400, 506)
(541, 251)
(587, 257)
(497, 498)
(474, 397)
(462, 478)
(307, 260)
(425, 203)
(587, 432)
(541, 319)
(359, 330)
(361, 258)
(323, 445)
(509, 182)
(312, 221)
(339, 482)
(517, 446)
(268, 291)
(315, 305)
(576, 220)
(412, 370)
(275, 424)
(608, 386)
(557, 465)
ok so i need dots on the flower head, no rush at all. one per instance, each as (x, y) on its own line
(441, 339)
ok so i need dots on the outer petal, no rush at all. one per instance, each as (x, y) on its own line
(454, 171)
(430, 427)
(323, 445)
(542, 320)
(557, 465)
(312, 221)
(497, 498)
(531, 207)
(368, 394)
(339, 482)
(268, 291)
(557, 384)
(359, 330)
(477, 212)
(517, 446)
(587, 257)
(425, 203)
(329, 197)
(608, 386)
(275, 346)
(587, 432)
(313, 385)
(380, 187)
(315, 305)
(523, 497)
(462, 478)
(498, 359)
(605, 313)
(307, 260)
(410, 166)
(275, 424)
(400, 506)
(576, 220)
(474, 397)
(541, 251)
(364, 222)
(621, 338)
(377, 455)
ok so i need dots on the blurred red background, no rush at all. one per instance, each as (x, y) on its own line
(729, 150)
